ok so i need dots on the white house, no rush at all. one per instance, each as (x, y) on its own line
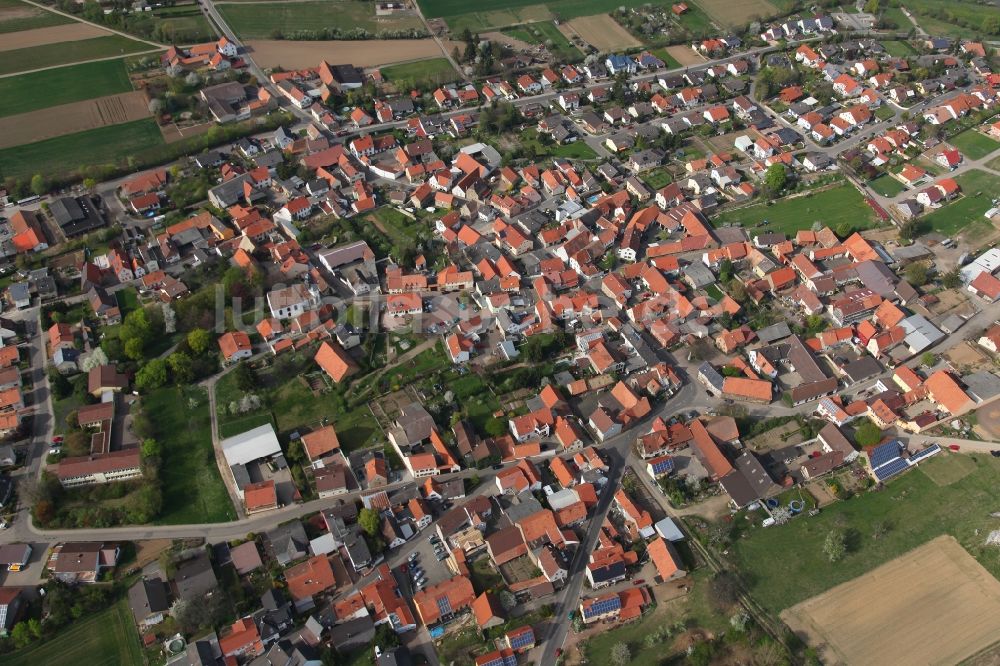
(290, 302)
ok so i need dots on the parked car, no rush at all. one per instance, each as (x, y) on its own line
(954, 447)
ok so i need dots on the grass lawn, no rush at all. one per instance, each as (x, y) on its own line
(978, 190)
(107, 638)
(35, 57)
(28, 17)
(239, 424)
(973, 13)
(576, 150)
(65, 154)
(899, 49)
(60, 408)
(484, 576)
(423, 72)
(398, 227)
(884, 112)
(185, 21)
(193, 491)
(834, 207)
(656, 178)
(695, 20)
(502, 13)
(540, 33)
(29, 92)
(262, 20)
(973, 144)
(667, 59)
(887, 186)
(786, 565)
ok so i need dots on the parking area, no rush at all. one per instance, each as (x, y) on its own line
(422, 563)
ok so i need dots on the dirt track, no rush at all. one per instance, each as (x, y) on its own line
(603, 32)
(70, 118)
(933, 605)
(70, 32)
(366, 53)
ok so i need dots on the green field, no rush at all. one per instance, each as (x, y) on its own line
(978, 190)
(51, 87)
(786, 565)
(423, 73)
(667, 59)
(954, 14)
(899, 49)
(887, 186)
(577, 150)
(263, 20)
(107, 638)
(502, 13)
(39, 18)
(540, 33)
(185, 21)
(836, 207)
(65, 154)
(974, 145)
(193, 491)
(37, 57)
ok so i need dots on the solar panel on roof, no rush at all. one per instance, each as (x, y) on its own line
(523, 639)
(883, 453)
(663, 466)
(891, 469)
(929, 451)
(444, 606)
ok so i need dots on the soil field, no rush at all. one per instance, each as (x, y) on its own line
(16, 16)
(71, 118)
(367, 53)
(55, 34)
(901, 612)
(261, 20)
(684, 55)
(729, 13)
(604, 33)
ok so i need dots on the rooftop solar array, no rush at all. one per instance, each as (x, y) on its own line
(522, 639)
(602, 606)
(663, 466)
(883, 453)
(891, 469)
(926, 453)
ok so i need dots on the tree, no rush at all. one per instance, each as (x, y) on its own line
(738, 290)
(370, 521)
(776, 178)
(928, 359)
(621, 654)
(59, 385)
(835, 545)
(198, 340)
(951, 279)
(879, 529)
(386, 637)
(150, 448)
(867, 433)
(21, 635)
(151, 376)
(916, 274)
(181, 367)
(725, 270)
(246, 378)
(724, 590)
(134, 348)
(39, 185)
(155, 106)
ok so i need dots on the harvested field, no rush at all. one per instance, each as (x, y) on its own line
(70, 32)
(730, 14)
(70, 118)
(16, 16)
(900, 612)
(367, 53)
(603, 32)
(684, 55)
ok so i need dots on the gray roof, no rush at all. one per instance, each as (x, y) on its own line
(260, 442)
(518, 511)
(982, 385)
(195, 577)
(147, 597)
(920, 333)
(288, 542)
(66, 210)
(774, 332)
